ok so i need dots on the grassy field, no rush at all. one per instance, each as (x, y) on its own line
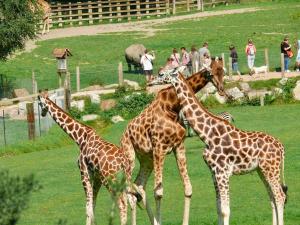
(62, 195)
(98, 56)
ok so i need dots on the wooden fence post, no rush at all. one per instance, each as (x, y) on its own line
(198, 4)
(157, 8)
(174, 7)
(119, 12)
(230, 68)
(30, 120)
(90, 10)
(60, 24)
(120, 71)
(128, 11)
(187, 5)
(34, 83)
(267, 59)
(67, 90)
(100, 11)
(4, 128)
(262, 100)
(167, 7)
(223, 59)
(77, 79)
(70, 14)
(147, 9)
(282, 64)
(79, 13)
(202, 5)
(138, 8)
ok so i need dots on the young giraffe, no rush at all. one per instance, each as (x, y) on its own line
(98, 160)
(233, 151)
(157, 131)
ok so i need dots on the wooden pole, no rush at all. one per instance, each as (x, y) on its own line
(188, 5)
(77, 79)
(230, 68)
(120, 70)
(174, 7)
(198, 4)
(223, 59)
(30, 121)
(267, 59)
(167, 7)
(67, 96)
(90, 10)
(4, 128)
(282, 64)
(202, 5)
(34, 84)
(262, 100)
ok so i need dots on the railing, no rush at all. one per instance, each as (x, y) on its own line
(91, 12)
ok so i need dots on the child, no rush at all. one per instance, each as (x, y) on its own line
(234, 56)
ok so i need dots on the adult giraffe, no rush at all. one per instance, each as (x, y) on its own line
(157, 132)
(98, 160)
(230, 150)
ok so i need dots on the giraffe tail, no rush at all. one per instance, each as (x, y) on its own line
(283, 185)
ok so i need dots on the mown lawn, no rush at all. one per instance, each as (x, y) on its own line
(62, 196)
(98, 56)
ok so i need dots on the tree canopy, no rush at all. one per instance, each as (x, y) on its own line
(18, 23)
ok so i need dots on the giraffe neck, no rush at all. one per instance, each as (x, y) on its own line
(77, 131)
(199, 118)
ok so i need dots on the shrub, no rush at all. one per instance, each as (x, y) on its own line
(15, 193)
(75, 112)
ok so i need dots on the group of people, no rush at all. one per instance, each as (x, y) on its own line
(196, 59)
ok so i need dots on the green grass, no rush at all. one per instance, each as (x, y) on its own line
(62, 195)
(98, 56)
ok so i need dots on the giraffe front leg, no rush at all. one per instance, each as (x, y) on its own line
(182, 167)
(122, 203)
(158, 160)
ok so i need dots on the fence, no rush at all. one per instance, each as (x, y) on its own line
(90, 12)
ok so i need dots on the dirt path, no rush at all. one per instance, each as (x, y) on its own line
(144, 26)
(268, 76)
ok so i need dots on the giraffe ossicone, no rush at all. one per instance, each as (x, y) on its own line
(231, 151)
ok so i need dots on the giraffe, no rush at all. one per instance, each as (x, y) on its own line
(157, 132)
(98, 159)
(231, 151)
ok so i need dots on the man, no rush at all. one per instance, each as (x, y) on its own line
(285, 48)
(203, 51)
(147, 64)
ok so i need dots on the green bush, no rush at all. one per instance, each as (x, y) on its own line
(75, 113)
(15, 193)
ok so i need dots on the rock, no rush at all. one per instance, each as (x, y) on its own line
(89, 117)
(22, 107)
(156, 88)
(107, 104)
(278, 90)
(20, 93)
(296, 91)
(210, 88)
(92, 88)
(235, 93)
(204, 97)
(117, 119)
(220, 99)
(257, 93)
(111, 86)
(245, 87)
(78, 104)
(283, 81)
(134, 85)
(95, 98)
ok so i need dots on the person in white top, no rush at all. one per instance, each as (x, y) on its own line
(147, 64)
(175, 56)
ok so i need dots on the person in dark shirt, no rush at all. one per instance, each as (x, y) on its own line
(234, 56)
(285, 47)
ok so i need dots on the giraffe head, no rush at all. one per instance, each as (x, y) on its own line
(42, 102)
(216, 75)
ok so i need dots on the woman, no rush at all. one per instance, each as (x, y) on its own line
(175, 56)
(250, 51)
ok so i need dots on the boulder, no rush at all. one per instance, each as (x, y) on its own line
(283, 81)
(78, 104)
(220, 99)
(235, 93)
(245, 87)
(210, 88)
(132, 84)
(156, 88)
(95, 98)
(107, 104)
(117, 119)
(277, 90)
(109, 86)
(89, 117)
(20, 93)
(92, 88)
(296, 91)
(257, 93)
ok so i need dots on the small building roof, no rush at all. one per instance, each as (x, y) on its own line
(61, 53)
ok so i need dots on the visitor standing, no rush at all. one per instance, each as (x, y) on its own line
(298, 56)
(234, 56)
(194, 57)
(202, 51)
(185, 60)
(175, 56)
(250, 51)
(286, 50)
(147, 64)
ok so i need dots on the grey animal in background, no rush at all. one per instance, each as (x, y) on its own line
(133, 56)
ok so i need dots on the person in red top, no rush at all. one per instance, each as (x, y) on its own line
(285, 47)
(250, 51)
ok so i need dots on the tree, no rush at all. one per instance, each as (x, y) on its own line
(18, 23)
